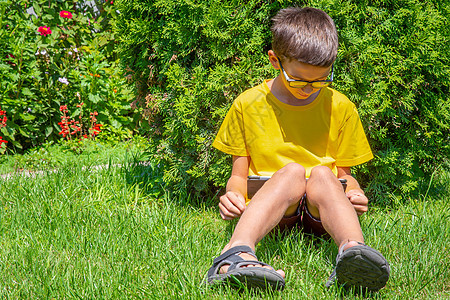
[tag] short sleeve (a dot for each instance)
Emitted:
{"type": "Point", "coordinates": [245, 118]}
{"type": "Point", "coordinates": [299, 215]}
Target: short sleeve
{"type": "Point", "coordinates": [353, 146]}
{"type": "Point", "coordinates": [231, 136]}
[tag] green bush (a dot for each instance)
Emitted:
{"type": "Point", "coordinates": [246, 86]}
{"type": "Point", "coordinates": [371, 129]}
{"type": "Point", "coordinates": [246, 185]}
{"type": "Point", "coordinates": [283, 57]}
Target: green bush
{"type": "Point", "coordinates": [190, 59]}
{"type": "Point", "coordinates": [396, 68]}
{"type": "Point", "coordinates": [57, 53]}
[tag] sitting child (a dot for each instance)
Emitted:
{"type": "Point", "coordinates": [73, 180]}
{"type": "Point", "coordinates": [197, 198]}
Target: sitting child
{"type": "Point", "coordinates": [305, 136]}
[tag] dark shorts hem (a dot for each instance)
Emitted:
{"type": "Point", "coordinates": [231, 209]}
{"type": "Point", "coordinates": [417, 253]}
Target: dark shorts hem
{"type": "Point", "coordinates": [304, 220]}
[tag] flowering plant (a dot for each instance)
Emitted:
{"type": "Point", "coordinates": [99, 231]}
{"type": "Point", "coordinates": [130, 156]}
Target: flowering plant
{"type": "Point", "coordinates": [74, 129]}
{"type": "Point", "coordinates": [3, 120]}
{"type": "Point", "coordinates": [55, 53]}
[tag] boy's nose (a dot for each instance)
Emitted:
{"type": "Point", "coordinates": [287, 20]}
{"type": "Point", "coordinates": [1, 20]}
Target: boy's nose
{"type": "Point", "coordinates": [307, 89]}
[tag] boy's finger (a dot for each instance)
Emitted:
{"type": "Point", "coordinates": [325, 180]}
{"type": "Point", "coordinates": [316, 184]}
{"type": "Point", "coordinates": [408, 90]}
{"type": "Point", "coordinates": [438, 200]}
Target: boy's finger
{"type": "Point", "coordinates": [226, 214]}
{"type": "Point", "coordinates": [241, 203]}
{"type": "Point", "coordinates": [359, 199]}
{"type": "Point", "coordinates": [238, 201]}
{"type": "Point", "coordinates": [360, 209]}
{"type": "Point", "coordinates": [229, 206]}
{"type": "Point", "coordinates": [353, 193]}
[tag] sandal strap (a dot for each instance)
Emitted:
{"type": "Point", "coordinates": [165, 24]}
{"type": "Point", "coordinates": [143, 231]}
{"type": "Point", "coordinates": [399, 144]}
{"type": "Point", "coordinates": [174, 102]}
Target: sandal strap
{"type": "Point", "coordinates": [233, 251]}
{"type": "Point", "coordinates": [231, 257]}
{"type": "Point", "coordinates": [341, 249]}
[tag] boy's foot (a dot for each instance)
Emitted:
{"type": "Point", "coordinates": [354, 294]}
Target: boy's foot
{"type": "Point", "coordinates": [253, 273]}
{"type": "Point", "coordinates": [360, 266]}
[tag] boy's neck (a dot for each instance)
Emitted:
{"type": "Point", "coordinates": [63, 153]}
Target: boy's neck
{"type": "Point", "coordinates": [280, 92]}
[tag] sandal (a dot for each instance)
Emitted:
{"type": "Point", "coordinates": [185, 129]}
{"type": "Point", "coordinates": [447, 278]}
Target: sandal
{"type": "Point", "coordinates": [360, 266]}
{"type": "Point", "coordinates": [251, 276]}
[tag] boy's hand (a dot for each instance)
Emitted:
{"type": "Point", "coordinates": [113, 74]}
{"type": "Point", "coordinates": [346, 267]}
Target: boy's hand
{"type": "Point", "coordinates": [231, 205]}
{"type": "Point", "coordinates": [359, 201]}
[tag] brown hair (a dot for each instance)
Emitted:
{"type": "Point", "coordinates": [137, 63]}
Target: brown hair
{"type": "Point", "coordinates": [305, 34]}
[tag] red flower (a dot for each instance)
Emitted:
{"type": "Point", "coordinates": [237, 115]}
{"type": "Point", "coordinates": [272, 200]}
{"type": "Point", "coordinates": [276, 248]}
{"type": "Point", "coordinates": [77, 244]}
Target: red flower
{"type": "Point", "coordinates": [63, 108]}
{"type": "Point", "coordinates": [2, 141]}
{"type": "Point", "coordinates": [95, 129]}
{"type": "Point", "coordinates": [2, 120]}
{"type": "Point", "coordinates": [65, 14]}
{"type": "Point", "coordinates": [44, 30]}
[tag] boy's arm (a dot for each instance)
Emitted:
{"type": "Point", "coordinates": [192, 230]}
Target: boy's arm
{"type": "Point", "coordinates": [232, 203]}
{"type": "Point", "coordinates": [354, 192]}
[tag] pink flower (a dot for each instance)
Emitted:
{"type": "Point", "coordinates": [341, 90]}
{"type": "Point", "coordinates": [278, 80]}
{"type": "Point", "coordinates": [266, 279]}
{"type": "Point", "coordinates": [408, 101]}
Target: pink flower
{"type": "Point", "coordinates": [44, 30]}
{"type": "Point", "coordinates": [65, 14]}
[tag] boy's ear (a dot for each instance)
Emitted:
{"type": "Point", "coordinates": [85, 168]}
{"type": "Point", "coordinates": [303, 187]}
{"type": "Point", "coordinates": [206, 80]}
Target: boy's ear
{"type": "Point", "coordinates": [273, 59]}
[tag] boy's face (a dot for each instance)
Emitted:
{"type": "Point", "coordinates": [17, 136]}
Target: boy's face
{"type": "Point", "coordinates": [300, 71]}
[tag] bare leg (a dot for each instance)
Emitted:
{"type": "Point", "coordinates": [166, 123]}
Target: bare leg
{"type": "Point", "coordinates": [278, 197]}
{"type": "Point", "coordinates": [357, 265]}
{"type": "Point", "coordinates": [328, 202]}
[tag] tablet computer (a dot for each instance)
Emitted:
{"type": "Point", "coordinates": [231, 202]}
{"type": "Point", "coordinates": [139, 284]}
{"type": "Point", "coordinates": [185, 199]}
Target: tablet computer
{"type": "Point", "coordinates": [255, 182]}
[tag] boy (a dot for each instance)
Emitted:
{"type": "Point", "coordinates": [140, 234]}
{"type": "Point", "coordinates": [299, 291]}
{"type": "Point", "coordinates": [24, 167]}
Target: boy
{"type": "Point", "coordinates": [292, 128]}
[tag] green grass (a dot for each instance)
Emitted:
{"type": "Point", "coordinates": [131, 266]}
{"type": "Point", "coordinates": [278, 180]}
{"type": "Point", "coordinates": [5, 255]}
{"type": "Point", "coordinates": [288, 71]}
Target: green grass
{"type": "Point", "coordinates": [87, 152]}
{"type": "Point", "coordinates": [79, 233]}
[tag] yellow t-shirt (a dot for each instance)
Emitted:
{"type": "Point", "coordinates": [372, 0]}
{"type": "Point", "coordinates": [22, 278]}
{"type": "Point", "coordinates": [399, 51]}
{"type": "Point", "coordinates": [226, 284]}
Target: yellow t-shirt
{"type": "Point", "coordinates": [326, 132]}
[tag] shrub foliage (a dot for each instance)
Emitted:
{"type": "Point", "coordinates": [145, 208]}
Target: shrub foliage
{"type": "Point", "coordinates": [56, 53]}
{"type": "Point", "coordinates": [190, 59]}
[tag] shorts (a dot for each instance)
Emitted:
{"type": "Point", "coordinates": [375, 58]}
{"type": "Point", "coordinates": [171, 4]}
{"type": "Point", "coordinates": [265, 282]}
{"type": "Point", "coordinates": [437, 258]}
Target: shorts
{"type": "Point", "coordinates": [304, 220]}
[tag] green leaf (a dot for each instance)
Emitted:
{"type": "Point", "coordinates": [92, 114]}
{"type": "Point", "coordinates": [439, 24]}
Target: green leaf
{"type": "Point", "coordinates": [22, 132]}
{"type": "Point", "coordinates": [48, 131]}
{"type": "Point", "coordinates": [94, 98]}
{"type": "Point", "coordinates": [37, 9]}
{"type": "Point", "coordinates": [5, 132]}
{"type": "Point", "coordinates": [115, 123]}
{"type": "Point", "coordinates": [26, 91]}
{"type": "Point", "coordinates": [27, 117]}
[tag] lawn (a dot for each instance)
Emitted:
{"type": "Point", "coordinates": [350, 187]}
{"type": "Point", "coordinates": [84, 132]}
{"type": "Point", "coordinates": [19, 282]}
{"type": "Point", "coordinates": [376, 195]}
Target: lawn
{"type": "Point", "coordinates": [80, 232]}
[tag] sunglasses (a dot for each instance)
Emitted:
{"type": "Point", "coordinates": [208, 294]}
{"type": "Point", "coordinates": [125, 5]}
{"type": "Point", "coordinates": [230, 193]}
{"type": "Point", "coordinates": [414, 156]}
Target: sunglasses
{"type": "Point", "coordinates": [317, 84]}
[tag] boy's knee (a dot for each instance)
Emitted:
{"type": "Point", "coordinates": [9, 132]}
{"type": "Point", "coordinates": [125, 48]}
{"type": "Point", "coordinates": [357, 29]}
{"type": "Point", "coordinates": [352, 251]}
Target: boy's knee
{"type": "Point", "coordinates": [321, 183]}
{"type": "Point", "coordinates": [293, 170]}
{"type": "Point", "coordinates": [291, 181]}
{"type": "Point", "coordinates": [321, 172]}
